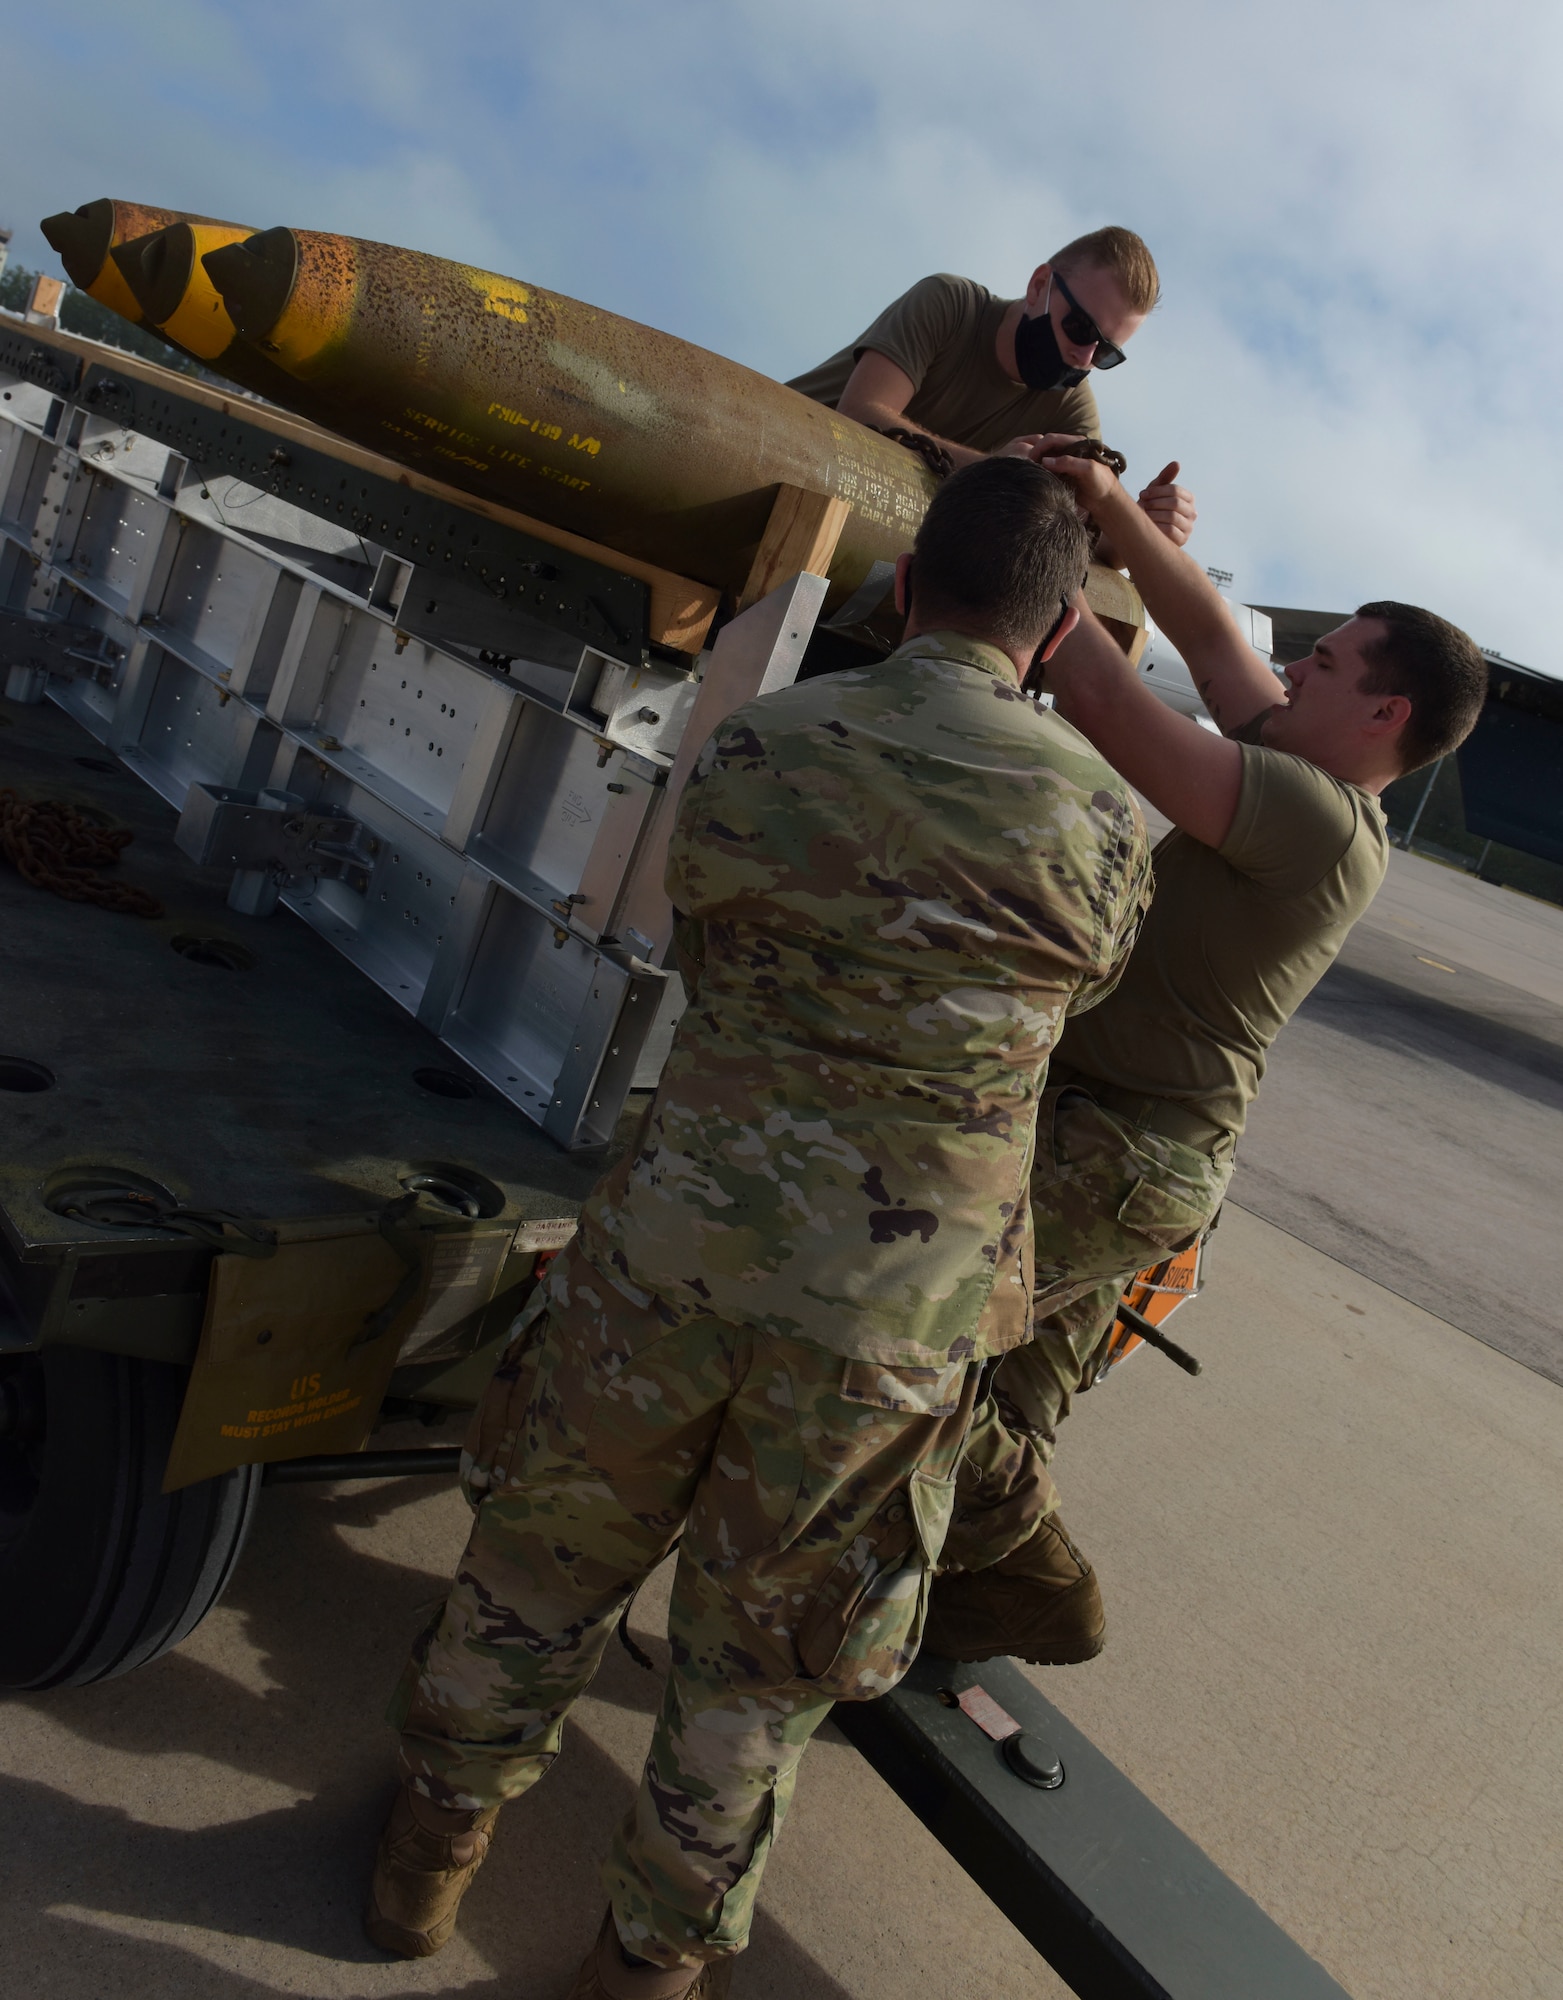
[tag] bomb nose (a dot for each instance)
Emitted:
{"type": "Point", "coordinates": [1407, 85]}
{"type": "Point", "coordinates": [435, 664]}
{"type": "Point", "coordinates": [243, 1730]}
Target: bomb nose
{"type": "Point", "coordinates": [81, 237]}
{"type": "Point", "coordinates": [255, 279]}
{"type": "Point", "coordinates": [158, 268]}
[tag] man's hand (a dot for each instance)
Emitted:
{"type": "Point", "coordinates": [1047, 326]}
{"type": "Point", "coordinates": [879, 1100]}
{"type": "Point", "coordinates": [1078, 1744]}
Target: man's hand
{"type": "Point", "coordinates": [1170, 506]}
{"type": "Point", "coordinates": [1233, 681]}
{"type": "Point", "coordinates": [1092, 480]}
{"type": "Point", "coordinates": [1038, 445]}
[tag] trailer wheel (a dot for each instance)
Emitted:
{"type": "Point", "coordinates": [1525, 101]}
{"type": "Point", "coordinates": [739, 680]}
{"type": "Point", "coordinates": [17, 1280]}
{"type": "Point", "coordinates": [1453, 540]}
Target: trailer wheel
{"type": "Point", "coordinates": [99, 1570]}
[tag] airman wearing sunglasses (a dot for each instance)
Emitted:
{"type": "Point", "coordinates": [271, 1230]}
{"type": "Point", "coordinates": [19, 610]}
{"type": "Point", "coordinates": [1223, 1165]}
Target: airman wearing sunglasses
{"type": "Point", "coordinates": [979, 375]}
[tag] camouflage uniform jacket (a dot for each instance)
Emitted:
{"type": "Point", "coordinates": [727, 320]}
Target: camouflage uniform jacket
{"type": "Point", "coordinates": [894, 882]}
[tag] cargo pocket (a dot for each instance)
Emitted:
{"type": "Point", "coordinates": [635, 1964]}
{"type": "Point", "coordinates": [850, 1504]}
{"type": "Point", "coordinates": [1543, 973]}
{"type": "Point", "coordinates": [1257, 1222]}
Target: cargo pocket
{"type": "Point", "coordinates": [1170, 1218]}
{"type": "Point", "coordinates": [1079, 1137]}
{"type": "Point", "coordinates": [737, 1908]}
{"type": "Point", "coordinates": [863, 1629]}
{"type": "Point", "coordinates": [915, 1392]}
{"type": "Point", "coordinates": [489, 1448]}
{"type": "Point", "coordinates": [1084, 1168]}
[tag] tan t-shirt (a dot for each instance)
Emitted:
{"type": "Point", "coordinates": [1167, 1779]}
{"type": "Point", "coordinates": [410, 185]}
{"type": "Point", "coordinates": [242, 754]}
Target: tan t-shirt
{"type": "Point", "coordinates": [1236, 938]}
{"type": "Point", "coordinates": [942, 333]}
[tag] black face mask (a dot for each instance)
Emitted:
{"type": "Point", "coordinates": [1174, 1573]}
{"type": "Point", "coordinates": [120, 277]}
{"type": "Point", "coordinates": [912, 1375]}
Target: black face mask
{"type": "Point", "coordinates": [1037, 355]}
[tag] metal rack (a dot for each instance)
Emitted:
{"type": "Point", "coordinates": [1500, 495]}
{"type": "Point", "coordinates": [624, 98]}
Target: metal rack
{"type": "Point", "coordinates": [272, 627]}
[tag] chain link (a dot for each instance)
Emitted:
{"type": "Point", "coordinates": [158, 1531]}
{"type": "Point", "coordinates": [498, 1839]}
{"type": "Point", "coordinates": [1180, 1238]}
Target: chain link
{"type": "Point", "coordinates": [941, 464]}
{"type": "Point", "coordinates": [55, 846]}
{"type": "Point", "coordinates": [929, 450]}
{"type": "Point", "coordinates": [1093, 448]}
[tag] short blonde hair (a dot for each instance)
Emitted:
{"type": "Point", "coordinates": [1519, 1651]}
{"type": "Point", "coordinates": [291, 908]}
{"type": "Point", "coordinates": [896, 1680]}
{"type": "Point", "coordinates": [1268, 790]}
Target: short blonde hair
{"type": "Point", "coordinates": [1121, 252]}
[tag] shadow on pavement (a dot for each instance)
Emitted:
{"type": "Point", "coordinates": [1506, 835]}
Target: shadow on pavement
{"type": "Point", "coordinates": [331, 1625]}
{"type": "Point", "coordinates": [1464, 1032]}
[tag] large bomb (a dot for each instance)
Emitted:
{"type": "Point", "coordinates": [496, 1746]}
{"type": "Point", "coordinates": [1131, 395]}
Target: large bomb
{"type": "Point", "coordinates": [522, 396]}
{"type": "Point", "coordinates": [568, 413]}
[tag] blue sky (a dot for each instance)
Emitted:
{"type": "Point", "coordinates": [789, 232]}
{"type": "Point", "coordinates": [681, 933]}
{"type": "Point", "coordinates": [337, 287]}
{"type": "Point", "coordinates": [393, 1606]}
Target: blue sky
{"type": "Point", "coordinates": [1354, 209]}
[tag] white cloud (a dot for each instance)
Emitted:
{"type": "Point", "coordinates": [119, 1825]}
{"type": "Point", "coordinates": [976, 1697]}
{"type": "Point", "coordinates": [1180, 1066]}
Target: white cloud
{"type": "Point", "coordinates": [1356, 359]}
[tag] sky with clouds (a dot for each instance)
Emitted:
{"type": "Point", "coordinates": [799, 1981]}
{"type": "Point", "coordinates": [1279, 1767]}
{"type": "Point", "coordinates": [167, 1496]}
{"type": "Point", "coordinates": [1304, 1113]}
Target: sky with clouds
{"type": "Point", "coordinates": [1353, 207]}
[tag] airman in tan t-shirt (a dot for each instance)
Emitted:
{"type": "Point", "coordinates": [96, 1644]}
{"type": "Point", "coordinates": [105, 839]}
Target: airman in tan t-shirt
{"type": "Point", "coordinates": [958, 373]}
{"type": "Point", "coordinates": [1278, 846]}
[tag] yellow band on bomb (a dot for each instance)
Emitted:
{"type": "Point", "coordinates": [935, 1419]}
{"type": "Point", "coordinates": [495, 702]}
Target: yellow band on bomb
{"type": "Point", "coordinates": [109, 289]}
{"type": "Point", "coordinates": [200, 323]}
{"type": "Point", "coordinates": [319, 310]}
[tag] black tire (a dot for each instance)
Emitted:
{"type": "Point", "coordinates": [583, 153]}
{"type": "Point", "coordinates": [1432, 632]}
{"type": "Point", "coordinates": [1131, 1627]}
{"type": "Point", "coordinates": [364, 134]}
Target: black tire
{"type": "Point", "coordinates": [99, 1570]}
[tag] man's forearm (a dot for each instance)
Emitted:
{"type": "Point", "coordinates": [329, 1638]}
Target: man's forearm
{"type": "Point", "coordinates": [1186, 772]}
{"type": "Point", "coordinates": [1177, 593]}
{"type": "Point", "coordinates": [879, 417]}
{"type": "Point", "coordinates": [1092, 682]}
{"type": "Point", "coordinates": [1233, 682]}
{"type": "Point", "coordinates": [1106, 554]}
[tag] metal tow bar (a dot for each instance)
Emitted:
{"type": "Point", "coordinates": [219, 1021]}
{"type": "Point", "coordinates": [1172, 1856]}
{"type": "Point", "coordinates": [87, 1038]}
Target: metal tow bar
{"type": "Point", "coordinates": [1119, 1902]}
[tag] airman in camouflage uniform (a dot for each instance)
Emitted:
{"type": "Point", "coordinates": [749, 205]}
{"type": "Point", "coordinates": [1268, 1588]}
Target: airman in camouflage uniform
{"type": "Point", "coordinates": [1109, 1195]}
{"type": "Point", "coordinates": [894, 884]}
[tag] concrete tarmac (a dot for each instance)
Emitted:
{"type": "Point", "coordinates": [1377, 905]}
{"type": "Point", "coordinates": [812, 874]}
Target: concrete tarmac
{"type": "Point", "coordinates": [1329, 1562]}
{"type": "Point", "coordinates": [1329, 1565]}
{"type": "Point", "coordinates": [1411, 1121]}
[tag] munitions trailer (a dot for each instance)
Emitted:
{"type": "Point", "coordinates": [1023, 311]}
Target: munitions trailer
{"type": "Point", "coordinates": [286, 1152]}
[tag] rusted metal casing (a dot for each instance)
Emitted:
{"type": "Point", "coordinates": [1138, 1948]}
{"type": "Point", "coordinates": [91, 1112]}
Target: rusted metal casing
{"type": "Point", "coordinates": [607, 428]}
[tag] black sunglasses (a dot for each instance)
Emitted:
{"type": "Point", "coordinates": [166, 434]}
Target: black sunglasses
{"type": "Point", "coordinates": [1079, 327]}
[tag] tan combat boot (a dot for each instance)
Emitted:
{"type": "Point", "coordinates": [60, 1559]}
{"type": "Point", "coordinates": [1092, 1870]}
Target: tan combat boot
{"type": "Point", "coordinates": [1039, 1603]}
{"type": "Point", "coordinates": [605, 1976]}
{"type": "Point", "coordinates": [428, 1856]}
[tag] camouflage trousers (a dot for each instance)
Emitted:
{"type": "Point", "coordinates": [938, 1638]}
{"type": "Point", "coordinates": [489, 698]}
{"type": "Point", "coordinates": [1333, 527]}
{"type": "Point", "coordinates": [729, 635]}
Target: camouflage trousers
{"type": "Point", "coordinates": [1108, 1197]}
{"type": "Point", "coordinates": [812, 1495]}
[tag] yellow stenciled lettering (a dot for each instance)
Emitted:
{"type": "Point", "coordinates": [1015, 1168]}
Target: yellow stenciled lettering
{"type": "Point", "coordinates": [500, 295]}
{"type": "Point", "coordinates": [593, 445]}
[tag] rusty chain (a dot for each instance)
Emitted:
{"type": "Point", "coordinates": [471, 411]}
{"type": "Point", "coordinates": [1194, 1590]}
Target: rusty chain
{"type": "Point", "coordinates": [1093, 448]}
{"type": "Point", "coordinates": [929, 450]}
{"type": "Point", "coordinates": [55, 846]}
{"type": "Point", "coordinates": [941, 464]}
